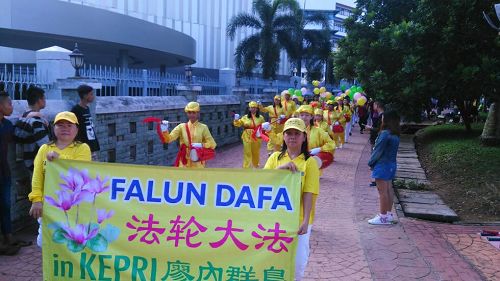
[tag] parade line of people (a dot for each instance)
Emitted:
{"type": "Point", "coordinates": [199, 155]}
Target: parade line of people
{"type": "Point", "coordinates": [300, 136]}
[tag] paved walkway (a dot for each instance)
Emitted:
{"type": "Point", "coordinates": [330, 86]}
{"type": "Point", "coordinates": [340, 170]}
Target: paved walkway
{"type": "Point", "coordinates": [343, 245]}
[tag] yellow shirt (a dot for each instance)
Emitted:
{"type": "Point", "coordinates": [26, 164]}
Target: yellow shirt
{"type": "Point", "coordinates": [75, 151]}
{"type": "Point", "coordinates": [249, 126]}
{"type": "Point", "coordinates": [274, 113]}
{"type": "Point", "coordinates": [199, 134]}
{"type": "Point", "coordinates": [324, 126]}
{"type": "Point", "coordinates": [331, 116]}
{"type": "Point", "coordinates": [316, 137]}
{"type": "Point", "coordinates": [289, 107]}
{"type": "Point", "coordinates": [310, 177]}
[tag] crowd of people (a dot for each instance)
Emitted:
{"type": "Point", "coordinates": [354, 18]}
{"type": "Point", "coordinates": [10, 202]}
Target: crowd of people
{"type": "Point", "coordinates": [301, 136]}
{"type": "Point", "coordinates": [72, 136]}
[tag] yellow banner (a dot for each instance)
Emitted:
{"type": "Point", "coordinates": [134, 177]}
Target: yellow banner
{"type": "Point", "coordinates": [105, 221]}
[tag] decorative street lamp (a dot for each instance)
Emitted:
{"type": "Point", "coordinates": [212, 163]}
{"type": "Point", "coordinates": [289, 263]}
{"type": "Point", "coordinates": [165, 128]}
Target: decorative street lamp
{"type": "Point", "coordinates": [294, 71]}
{"type": "Point", "coordinates": [76, 59]}
{"type": "Point", "coordinates": [188, 71]}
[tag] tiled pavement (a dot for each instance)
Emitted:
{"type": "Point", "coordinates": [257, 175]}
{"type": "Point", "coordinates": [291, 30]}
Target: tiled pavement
{"type": "Point", "coordinates": [343, 245]}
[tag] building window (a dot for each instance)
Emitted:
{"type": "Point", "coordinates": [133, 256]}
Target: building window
{"type": "Point", "coordinates": [112, 155]}
{"type": "Point", "coordinates": [133, 127]}
{"type": "Point", "coordinates": [133, 152]}
{"type": "Point", "coordinates": [111, 130]}
{"type": "Point", "coordinates": [151, 147]}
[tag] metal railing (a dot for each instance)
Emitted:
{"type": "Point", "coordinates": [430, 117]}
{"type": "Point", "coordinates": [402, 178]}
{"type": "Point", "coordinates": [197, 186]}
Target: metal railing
{"type": "Point", "coordinates": [15, 80]}
{"type": "Point", "coordinates": [142, 82]}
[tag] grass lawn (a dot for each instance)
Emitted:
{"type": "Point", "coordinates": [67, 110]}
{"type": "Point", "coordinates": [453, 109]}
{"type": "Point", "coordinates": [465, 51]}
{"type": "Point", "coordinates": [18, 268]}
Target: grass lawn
{"type": "Point", "coordinates": [464, 173]}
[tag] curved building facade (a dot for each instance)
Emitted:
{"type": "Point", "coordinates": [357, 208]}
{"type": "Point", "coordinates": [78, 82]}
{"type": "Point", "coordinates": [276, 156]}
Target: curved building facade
{"type": "Point", "coordinates": [106, 37]}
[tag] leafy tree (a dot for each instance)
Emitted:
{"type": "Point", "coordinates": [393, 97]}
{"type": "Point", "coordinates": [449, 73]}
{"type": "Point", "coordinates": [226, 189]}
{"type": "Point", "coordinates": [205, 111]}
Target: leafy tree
{"type": "Point", "coordinates": [271, 22]}
{"type": "Point", "coordinates": [310, 45]}
{"type": "Point", "coordinates": [405, 52]}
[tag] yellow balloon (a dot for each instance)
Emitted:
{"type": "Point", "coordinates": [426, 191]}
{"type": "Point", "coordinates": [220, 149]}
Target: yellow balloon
{"type": "Point", "coordinates": [316, 91]}
{"type": "Point", "coordinates": [315, 83]}
{"type": "Point", "coordinates": [322, 89]}
{"type": "Point", "coordinates": [361, 101]}
{"type": "Point", "coordinates": [328, 95]}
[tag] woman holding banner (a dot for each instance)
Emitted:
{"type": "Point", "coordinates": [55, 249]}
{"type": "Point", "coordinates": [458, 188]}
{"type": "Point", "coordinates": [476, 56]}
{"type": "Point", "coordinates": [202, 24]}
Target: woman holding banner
{"type": "Point", "coordinates": [294, 156]}
{"type": "Point", "coordinates": [64, 147]}
{"type": "Point", "coordinates": [253, 124]}
{"type": "Point", "coordinates": [196, 143]}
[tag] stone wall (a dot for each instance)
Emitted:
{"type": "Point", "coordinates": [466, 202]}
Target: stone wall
{"type": "Point", "coordinates": [124, 138]}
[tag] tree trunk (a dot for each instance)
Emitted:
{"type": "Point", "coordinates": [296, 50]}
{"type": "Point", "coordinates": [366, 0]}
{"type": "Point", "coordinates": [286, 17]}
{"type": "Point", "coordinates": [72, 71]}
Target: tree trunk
{"type": "Point", "coordinates": [464, 107]}
{"type": "Point", "coordinates": [491, 130]}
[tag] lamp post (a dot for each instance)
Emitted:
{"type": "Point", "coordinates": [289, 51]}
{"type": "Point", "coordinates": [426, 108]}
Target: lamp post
{"type": "Point", "coordinates": [188, 71]}
{"type": "Point", "coordinates": [76, 59]}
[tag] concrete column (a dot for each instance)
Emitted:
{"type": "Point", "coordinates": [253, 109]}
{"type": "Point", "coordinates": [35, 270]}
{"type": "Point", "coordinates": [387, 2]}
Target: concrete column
{"type": "Point", "coordinates": [52, 64]}
{"type": "Point", "coordinates": [227, 77]}
{"type": "Point", "coordinates": [241, 93]}
{"type": "Point", "coordinates": [191, 92]}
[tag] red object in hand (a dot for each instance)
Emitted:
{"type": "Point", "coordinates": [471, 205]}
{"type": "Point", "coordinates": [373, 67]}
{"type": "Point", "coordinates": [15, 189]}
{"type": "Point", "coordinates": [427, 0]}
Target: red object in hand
{"type": "Point", "coordinates": [347, 117]}
{"type": "Point", "coordinates": [204, 154]}
{"type": "Point", "coordinates": [338, 129]}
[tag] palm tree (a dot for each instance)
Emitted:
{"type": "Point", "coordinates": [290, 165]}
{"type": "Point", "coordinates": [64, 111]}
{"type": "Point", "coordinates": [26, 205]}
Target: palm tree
{"type": "Point", "coordinates": [311, 45]}
{"type": "Point", "coordinates": [271, 21]}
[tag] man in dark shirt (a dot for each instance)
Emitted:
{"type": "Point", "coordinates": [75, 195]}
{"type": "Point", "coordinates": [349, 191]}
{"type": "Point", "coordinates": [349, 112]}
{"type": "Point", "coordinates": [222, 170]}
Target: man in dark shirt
{"type": "Point", "coordinates": [86, 130]}
{"type": "Point", "coordinates": [6, 135]}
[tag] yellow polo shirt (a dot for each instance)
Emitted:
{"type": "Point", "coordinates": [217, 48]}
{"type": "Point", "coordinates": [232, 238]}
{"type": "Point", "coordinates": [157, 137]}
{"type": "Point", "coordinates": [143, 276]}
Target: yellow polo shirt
{"type": "Point", "coordinates": [310, 177]}
{"type": "Point", "coordinates": [74, 151]}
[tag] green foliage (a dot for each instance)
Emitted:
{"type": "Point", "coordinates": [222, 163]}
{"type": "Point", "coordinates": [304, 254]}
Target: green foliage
{"type": "Point", "coordinates": [469, 168]}
{"type": "Point", "coordinates": [271, 21]}
{"type": "Point", "coordinates": [405, 52]}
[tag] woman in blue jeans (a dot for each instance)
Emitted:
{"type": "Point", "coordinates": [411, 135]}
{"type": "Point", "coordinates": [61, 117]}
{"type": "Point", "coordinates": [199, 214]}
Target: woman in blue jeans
{"type": "Point", "coordinates": [383, 165]}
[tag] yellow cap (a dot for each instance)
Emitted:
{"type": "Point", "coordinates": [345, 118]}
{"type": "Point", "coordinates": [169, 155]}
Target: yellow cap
{"type": "Point", "coordinates": [318, 111]}
{"type": "Point", "coordinates": [295, 123]}
{"type": "Point", "coordinates": [66, 115]}
{"type": "Point", "coordinates": [277, 97]}
{"type": "Point", "coordinates": [192, 106]}
{"type": "Point", "coordinates": [329, 102]}
{"type": "Point", "coordinates": [253, 104]}
{"type": "Point", "coordinates": [305, 108]}
{"type": "Point", "coordinates": [338, 98]}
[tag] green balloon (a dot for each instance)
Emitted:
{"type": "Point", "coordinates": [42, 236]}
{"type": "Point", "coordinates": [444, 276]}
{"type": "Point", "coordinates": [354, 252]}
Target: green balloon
{"type": "Point", "coordinates": [291, 90]}
{"type": "Point", "coordinates": [298, 93]}
{"type": "Point", "coordinates": [342, 88]}
{"type": "Point", "coordinates": [351, 95]}
{"type": "Point", "coordinates": [360, 90]}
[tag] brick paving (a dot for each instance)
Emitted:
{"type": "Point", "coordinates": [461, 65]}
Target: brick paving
{"type": "Point", "coordinates": [343, 245]}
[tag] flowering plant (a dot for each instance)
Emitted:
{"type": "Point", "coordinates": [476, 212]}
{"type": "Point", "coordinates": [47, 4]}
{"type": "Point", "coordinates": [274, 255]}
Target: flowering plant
{"type": "Point", "coordinates": [78, 187]}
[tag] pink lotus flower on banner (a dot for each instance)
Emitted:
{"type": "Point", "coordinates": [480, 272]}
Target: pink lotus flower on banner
{"type": "Point", "coordinates": [98, 185]}
{"type": "Point", "coordinates": [102, 215]}
{"type": "Point", "coordinates": [67, 200]}
{"type": "Point", "coordinates": [79, 234]}
{"type": "Point", "coordinates": [75, 180]}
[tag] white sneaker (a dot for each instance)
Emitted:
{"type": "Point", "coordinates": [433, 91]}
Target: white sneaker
{"type": "Point", "coordinates": [381, 219]}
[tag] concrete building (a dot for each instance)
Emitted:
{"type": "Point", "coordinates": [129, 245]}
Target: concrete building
{"type": "Point", "coordinates": [110, 25]}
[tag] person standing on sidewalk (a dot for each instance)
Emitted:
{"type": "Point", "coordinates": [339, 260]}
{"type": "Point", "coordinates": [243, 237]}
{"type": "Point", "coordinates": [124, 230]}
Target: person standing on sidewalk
{"type": "Point", "coordinates": [294, 156]}
{"type": "Point", "coordinates": [86, 129]}
{"type": "Point", "coordinates": [6, 136]}
{"type": "Point", "coordinates": [32, 129]}
{"type": "Point", "coordinates": [276, 115]}
{"type": "Point", "coordinates": [252, 124]}
{"type": "Point", "coordinates": [65, 146]}
{"type": "Point", "coordinates": [193, 137]}
{"type": "Point", "coordinates": [383, 165]}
